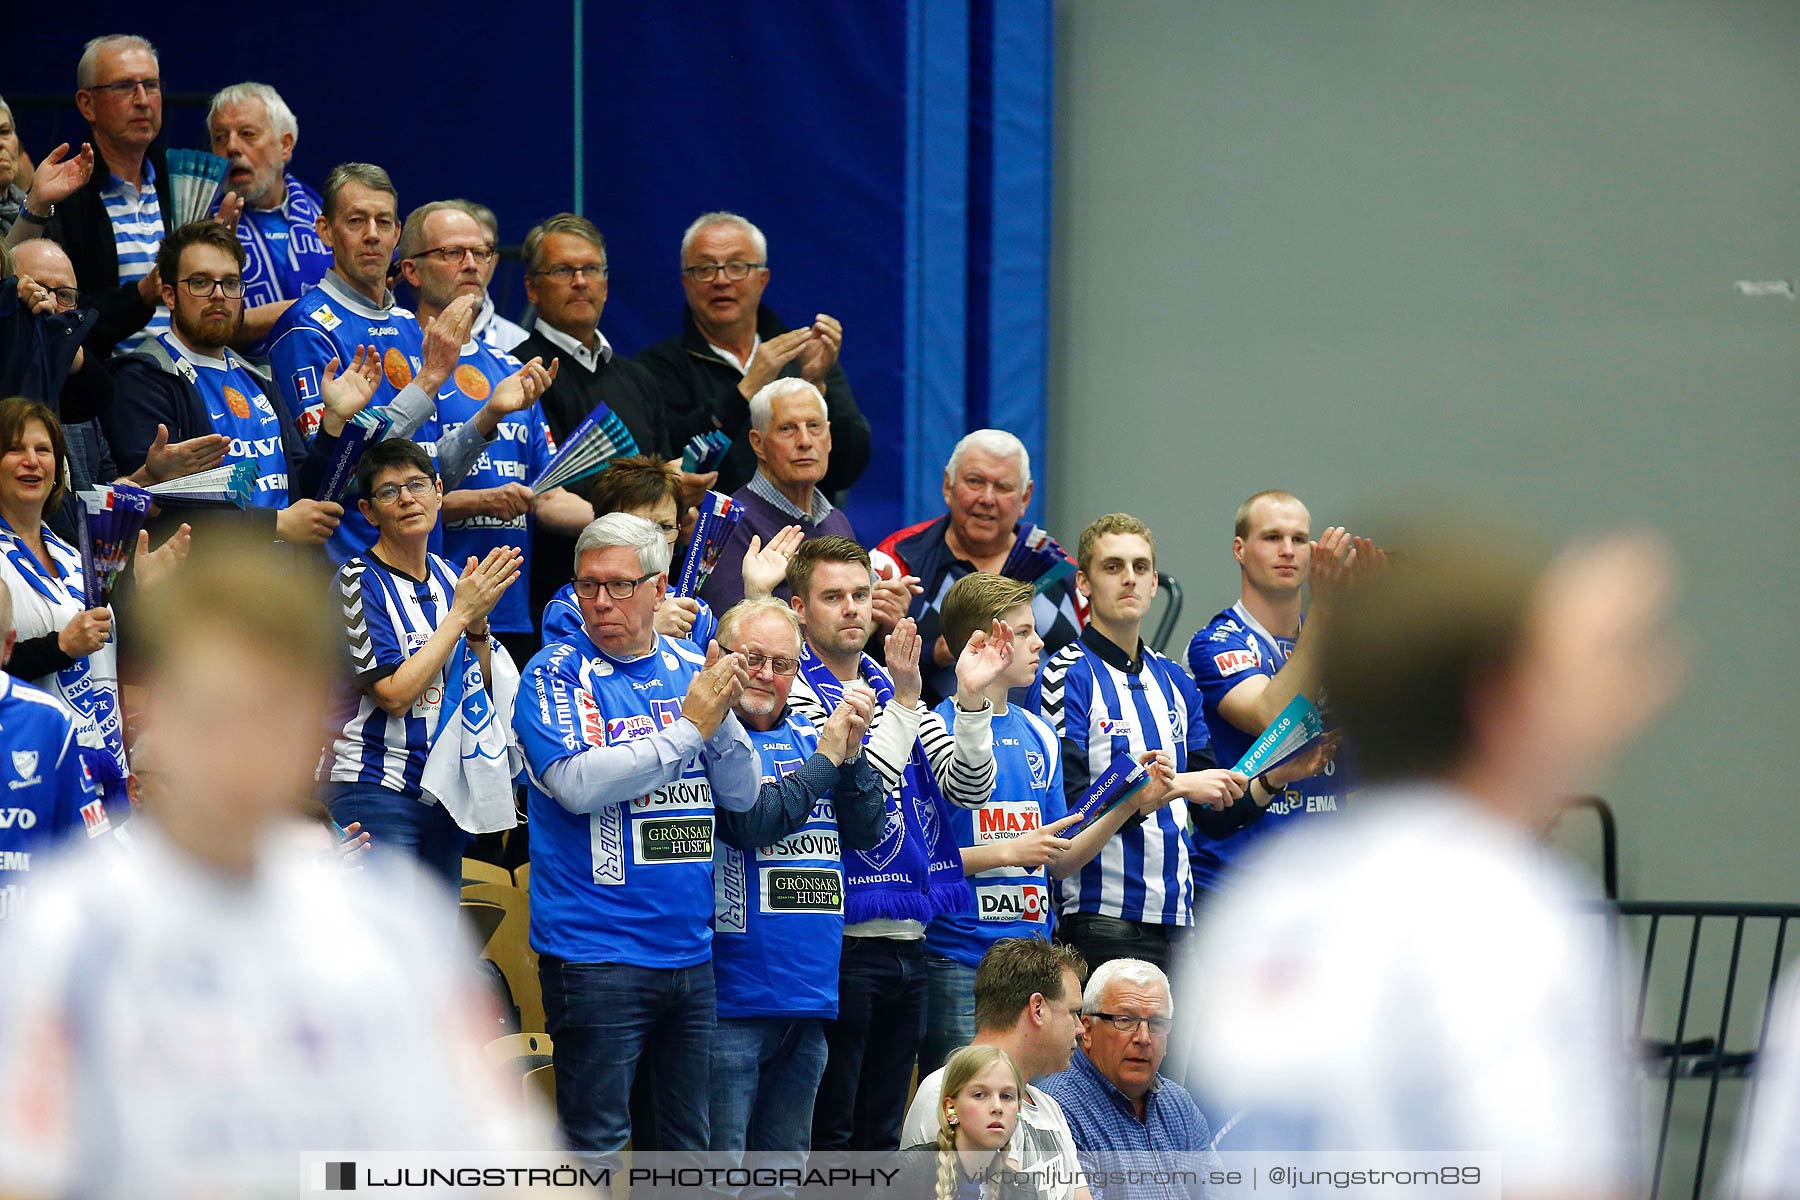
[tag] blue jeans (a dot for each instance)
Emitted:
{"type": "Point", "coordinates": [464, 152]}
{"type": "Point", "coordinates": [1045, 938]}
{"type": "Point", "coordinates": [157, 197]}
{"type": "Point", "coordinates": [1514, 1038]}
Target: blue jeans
{"type": "Point", "coordinates": [765, 1074]}
{"type": "Point", "coordinates": [606, 1018]}
{"type": "Point", "coordinates": [950, 1011]}
{"type": "Point", "coordinates": [873, 1044]}
{"type": "Point", "coordinates": [400, 824]}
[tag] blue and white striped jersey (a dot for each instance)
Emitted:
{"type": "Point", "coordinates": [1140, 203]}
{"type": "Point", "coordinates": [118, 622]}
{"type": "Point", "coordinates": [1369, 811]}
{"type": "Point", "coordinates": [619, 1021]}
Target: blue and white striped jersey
{"type": "Point", "coordinates": [1099, 703]}
{"type": "Point", "coordinates": [137, 224]}
{"type": "Point", "coordinates": [387, 616]}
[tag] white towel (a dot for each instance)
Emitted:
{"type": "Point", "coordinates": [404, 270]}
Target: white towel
{"type": "Point", "coordinates": [469, 770]}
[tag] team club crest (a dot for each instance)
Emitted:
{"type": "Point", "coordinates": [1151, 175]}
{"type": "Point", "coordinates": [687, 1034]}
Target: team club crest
{"type": "Point", "coordinates": [25, 763]}
{"type": "Point", "coordinates": [394, 365]}
{"type": "Point", "coordinates": [1040, 770]}
{"type": "Point", "coordinates": [472, 383]}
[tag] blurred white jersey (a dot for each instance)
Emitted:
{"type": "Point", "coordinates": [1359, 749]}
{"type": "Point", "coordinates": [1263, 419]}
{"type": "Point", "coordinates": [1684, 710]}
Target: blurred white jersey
{"type": "Point", "coordinates": [1769, 1147]}
{"type": "Point", "coordinates": [165, 1030]}
{"type": "Point", "coordinates": [1419, 975]}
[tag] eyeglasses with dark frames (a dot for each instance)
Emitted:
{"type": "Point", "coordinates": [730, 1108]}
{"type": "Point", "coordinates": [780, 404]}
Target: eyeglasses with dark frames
{"type": "Point", "coordinates": [618, 589]}
{"type": "Point", "coordinates": [734, 270]}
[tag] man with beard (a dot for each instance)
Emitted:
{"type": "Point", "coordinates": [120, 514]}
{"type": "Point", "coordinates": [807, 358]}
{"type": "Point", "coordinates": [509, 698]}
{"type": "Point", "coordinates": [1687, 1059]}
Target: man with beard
{"type": "Point", "coordinates": [253, 128]}
{"type": "Point", "coordinates": [188, 381]}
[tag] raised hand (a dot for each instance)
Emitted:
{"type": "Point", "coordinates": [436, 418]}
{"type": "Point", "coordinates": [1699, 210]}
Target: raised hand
{"type": "Point", "coordinates": [675, 616]}
{"type": "Point", "coordinates": [770, 357]}
{"type": "Point", "coordinates": [308, 522]}
{"type": "Point", "coordinates": [861, 699]}
{"type": "Point", "coordinates": [163, 461]}
{"type": "Point", "coordinates": [983, 662]}
{"type": "Point", "coordinates": [821, 350]}
{"type": "Point", "coordinates": [60, 176]}
{"type": "Point", "coordinates": [482, 584]}
{"type": "Point", "coordinates": [1043, 846]}
{"type": "Point", "coordinates": [149, 288]}
{"type": "Point", "coordinates": [154, 566]}
{"type": "Point", "coordinates": [230, 209]}
{"type": "Point", "coordinates": [348, 394]}
{"type": "Point", "coordinates": [902, 652]}
{"type": "Point", "coordinates": [35, 296]}
{"type": "Point", "coordinates": [520, 390]}
{"type": "Point", "coordinates": [890, 598]}
{"type": "Point", "coordinates": [444, 340]}
{"type": "Point", "coordinates": [766, 566]}
{"type": "Point", "coordinates": [714, 690]}
{"type": "Point", "coordinates": [836, 735]}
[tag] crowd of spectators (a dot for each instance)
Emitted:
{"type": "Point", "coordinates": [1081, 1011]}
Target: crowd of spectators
{"type": "Point", "coordinates": [816, 830]}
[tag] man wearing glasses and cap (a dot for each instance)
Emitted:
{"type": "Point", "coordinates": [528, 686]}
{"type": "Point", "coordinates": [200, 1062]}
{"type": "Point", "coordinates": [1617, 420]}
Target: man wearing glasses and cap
{"type": "Point", "coordinates": [731, 346]}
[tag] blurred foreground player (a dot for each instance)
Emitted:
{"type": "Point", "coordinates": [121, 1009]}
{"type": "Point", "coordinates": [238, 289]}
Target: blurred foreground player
{"type": "Point", "coordinates": [194, 1017]}
{"type": "Point", "coordinates": [1420, 974]}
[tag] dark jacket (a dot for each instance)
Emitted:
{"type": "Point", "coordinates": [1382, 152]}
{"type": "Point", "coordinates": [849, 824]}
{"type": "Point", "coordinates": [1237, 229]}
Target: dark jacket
{"type": "Point", "coordinates": [622, 385]}
{"type": "Point", "coordinates": [148, 391]}
{"type": "Point", "coordinates": [85, 232]}
{"type": "Point", "coordinates": [700, 391]}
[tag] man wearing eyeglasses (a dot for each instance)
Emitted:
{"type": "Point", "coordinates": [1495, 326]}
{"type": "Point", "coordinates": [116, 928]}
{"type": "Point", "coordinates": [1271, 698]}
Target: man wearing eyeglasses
{"type": "Point", "coordinates": [443, 253]}
{"type": "Point", "coordinates": [565, 279]}
{"type": "Point", "coordinates": [253, 128]}
{"type": "Point", "coordinates": [351, 308]}
{"type": "Point", "coordinates": [731, 346]}
{"type": "Point", "coordinates": [112, 226]}
{"type": "Point", "coordinates": [778, 890]}
{"type": "Point", "coordinates": [1114, 1094]}
{"type": "Point", "coordinates": [406, 616]}
{"type": "Point", "coordinates": [630, 742]}
{"type": "Point", "coordinates": [187, 383]}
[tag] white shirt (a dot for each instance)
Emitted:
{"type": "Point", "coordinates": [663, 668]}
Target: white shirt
{"type": "Point", "coordinates": [742, 364]}
{"type": "Point", "coordinates": [1769, 1142]}
{"type": "Point", "coordinates": [495, 330]}
{"type": "Point", "coordinates": [171, 1031]}
{"type": "Point", "coordinates": [1041, 1141]}
{"type": "Point", "coordinates": [1420, 975]}
{"type": "Point", "coordinates": [584, 357]}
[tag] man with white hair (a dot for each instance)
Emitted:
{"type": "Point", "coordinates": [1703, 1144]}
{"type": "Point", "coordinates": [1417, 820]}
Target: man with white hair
{"type": "Point", "coordinates": [630, 742]}
{"type": "Point", "coordinates": [731, 346]}
{"type": "Point", "coordinates": [987, 485]}
{"type": "Point", "coordinates": [1114, 1094]}
{"type": "Point", "coordinates": [254, 129]}
{"type": "Point", "coordinates": [791, 436]}
{"type": "Point", "coordinates": [778, 884]}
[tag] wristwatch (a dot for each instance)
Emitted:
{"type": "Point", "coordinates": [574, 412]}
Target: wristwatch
{"type": "Point", "coordinates": [25, 214]}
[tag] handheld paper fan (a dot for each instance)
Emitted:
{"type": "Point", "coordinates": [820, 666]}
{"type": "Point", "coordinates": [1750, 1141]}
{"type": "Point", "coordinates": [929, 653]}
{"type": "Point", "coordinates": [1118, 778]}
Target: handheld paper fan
{"type": "Point", "coordinates": [1036, 558]}
{"type": "Point", "coordinates": [719, 517]}
{"type": "Point", "coordinates": [195, 180]}
{"type": "Point", "coordinates": [360, 432]}
{"type": "Point", "coordinates": [705, 451]}
{"type": "Point", "coordinates": [589, 447]}
{"type": "Point", "coordinates": [229, 484]}
{"type": "Point", "coordinates": [1288, 734]}
{"type": "Point", "coordinates": [112, 514]}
